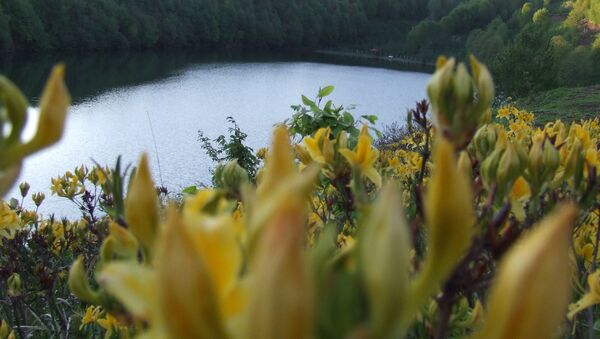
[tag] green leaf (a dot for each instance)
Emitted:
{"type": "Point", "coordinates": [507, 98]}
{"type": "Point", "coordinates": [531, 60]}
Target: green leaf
{"type": "Point", "coordinates": [307, 101]}
{"type": "Point", "coordinates": [325, 91]}
{"type": "Point", "coordinates": [190, 190]}
{"type": "Point", "coordinates": [370, 118]}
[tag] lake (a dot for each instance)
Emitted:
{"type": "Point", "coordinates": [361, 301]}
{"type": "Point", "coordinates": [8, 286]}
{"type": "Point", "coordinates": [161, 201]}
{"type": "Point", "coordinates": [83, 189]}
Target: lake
{"type": "Point", "coordinates": [126, 103]}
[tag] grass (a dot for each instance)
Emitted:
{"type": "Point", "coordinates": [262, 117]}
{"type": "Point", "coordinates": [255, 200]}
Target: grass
{"type": "Point", "coordinates": [567, 104]}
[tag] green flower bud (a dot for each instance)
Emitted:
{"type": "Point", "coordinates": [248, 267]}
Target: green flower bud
{"type": "Point", "coordinates": [484, 83]}
{"type": "Point", "coordinates": [536, 160]}
{"type": "Point", "coordinates": [484, 141]}
{"type": "Point", "coordinates": [38, 198]}
{"type": "Point", "coordinates": [457, 111]}
{"type": "Point", "coordinates": [385, 262]}
{"type": "Point", "coordinates": [489, 167]}
{"type": "Point", "coordinates": [233, 176]}
{"type": "Point", "coordinates": [13, 203]}
{"type": "Point", "coordinates": [14, 285]}
{"type": "Point", "coordinates": [509, 167]}
{"type": "Point", "coordinates": [24, 188]}
{"type": "Point", "coordinates": [551, 160]}
{"type": "Point", "coordinates": [465, 165]}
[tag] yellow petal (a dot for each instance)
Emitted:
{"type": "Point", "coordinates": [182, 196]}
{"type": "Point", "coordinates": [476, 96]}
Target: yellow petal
{"type": "Point", "coordinates": [350, 156]}
{"type": "Point", "coordinates": [216, 241]}
{"type": "Point", "coordinates": [132, 284]}
{"type": "Point", "coordinates": [449, 211]}
{"type": "Point", "coordinates": [53, 110]}
{"type": "Point", "coordinates": [141, 207]}
{"type": "Point", "coordinates": [187, 298]}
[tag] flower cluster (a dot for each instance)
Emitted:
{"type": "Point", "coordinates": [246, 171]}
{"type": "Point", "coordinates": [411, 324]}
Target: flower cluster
{"type": "Point", "coordinates": [456, 230]}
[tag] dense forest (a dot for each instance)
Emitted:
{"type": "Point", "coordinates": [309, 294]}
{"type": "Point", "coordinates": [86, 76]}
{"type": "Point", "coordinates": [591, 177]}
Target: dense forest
{"type": "Point", "coordinates": [530, 45]}
{"type": "Point", "coordinates": [111, 24]}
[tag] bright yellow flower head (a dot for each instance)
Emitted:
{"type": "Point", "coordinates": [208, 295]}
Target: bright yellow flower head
{"type": "Point", "coordinates": [364, 156]}
{"type": "Point", "coordinates": [320, 147]}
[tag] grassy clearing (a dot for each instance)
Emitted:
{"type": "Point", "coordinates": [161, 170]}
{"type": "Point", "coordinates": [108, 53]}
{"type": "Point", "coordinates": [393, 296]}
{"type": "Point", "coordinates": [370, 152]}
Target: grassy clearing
{"type": "Point", "coordinates": [567, 104]}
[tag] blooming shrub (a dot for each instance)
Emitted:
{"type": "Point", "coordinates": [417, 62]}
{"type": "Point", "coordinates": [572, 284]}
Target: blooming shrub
{"type": "Point", "coordinates": [476, 223]}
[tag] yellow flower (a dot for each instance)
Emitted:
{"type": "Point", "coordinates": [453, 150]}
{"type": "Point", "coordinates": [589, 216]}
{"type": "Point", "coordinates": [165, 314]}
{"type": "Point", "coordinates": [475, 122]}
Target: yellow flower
{"type": "Point", "coordinates": [90, 316]}
{"type": "Point", "coordinates": [319, 147]}
{"type": "Point", "coordinates": [591, 298]}
{"type": "Point", "coordinates": [109, 323]}
{"type": "Point", "coordinates": [503, 112]}
{"type": "Point", "coordinates": [518, 305]}
{"type": "Point", "coordinates": [10, 222]}
{"type": "Point", "coordinates": [364, 156]}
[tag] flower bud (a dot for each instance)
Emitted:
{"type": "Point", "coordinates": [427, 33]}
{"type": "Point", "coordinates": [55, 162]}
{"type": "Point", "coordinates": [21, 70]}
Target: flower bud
{"type": "Point", "coordinates": [342, 140]}
{"type": "Point", "coordinates": [536, 155]}
{"type": "Point", "coordinates": [14, 285]}
{"type": "Point", "coordinates": [463, 88]}
{"type": "Point", "coordinates": [518, 305]}
{"type": "Point", "coordinates": [484, 83]}
{"type": "Point", "coordinates": [448, 211]}
{"type": "Point", "coordinates": [385, 259]}
{"type": "Point", "coordinates": [38, 198]}
{"type": "Point", "coordinates": [551, 159]}
{"type": "Point", "coordinates": [449, 220]}
{"type": "Point", "coordinates": [464, 164]}
{"type": "Point", "coordinates": [509, 167]}
{"type": "Point", "coordinates": [141, 207]}
{"type": "Point", "coordinates": [81, 172]}
{"type": "Point", "coordinates": [457, 112]}
{"type": "Point", "coordinates": [302, 154]}
{"type": "Point", "coordinates": [484, 141]}
{"type": "Point", "coordinates": [3, 329]}
{"type": "Point", "coordinates": [79, 284]}
{"type": "Point", "coordinates": [24, 188]}
{"type": "Point", "coordinates": [233, 176]}
{"type": "Point", "coordinates": [282, 301]}
{"type": "Point", "coordinates": [489, 167]}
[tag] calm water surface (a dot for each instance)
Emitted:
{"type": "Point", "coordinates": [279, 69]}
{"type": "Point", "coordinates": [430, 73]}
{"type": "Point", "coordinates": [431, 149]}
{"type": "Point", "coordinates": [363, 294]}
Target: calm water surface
{"type": "Point", "coordinates": [117, 105]}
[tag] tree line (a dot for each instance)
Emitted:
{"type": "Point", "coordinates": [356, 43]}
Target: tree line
{"type": "Point", "coordinates": [530, 45]}
{"type": "Point", "coordinates": [39, 25]}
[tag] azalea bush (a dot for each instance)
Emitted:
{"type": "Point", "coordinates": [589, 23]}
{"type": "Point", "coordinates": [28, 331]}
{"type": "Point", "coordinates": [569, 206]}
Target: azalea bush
{"type": "Point", "coordinates": [473, 222]}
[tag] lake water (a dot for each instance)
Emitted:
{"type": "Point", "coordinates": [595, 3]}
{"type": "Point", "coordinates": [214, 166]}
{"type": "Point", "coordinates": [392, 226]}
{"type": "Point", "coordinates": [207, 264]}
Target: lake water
{"type": "Point", "coordinates": [120, 99]}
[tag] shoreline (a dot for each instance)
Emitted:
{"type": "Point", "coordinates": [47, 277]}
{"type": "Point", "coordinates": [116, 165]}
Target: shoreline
{"type": "Point", "coordinates": [399, 59]}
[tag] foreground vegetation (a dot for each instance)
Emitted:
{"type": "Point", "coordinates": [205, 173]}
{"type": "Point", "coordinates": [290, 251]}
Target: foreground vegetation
{"type": "Point", "coordinates": [469, 222]}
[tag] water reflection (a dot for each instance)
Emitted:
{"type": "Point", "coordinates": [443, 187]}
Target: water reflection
{"type": "Point", "coordinates": [91, 74]}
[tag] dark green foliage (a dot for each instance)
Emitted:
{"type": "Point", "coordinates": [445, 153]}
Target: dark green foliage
{"type": "Point", "coordinates": [118, 24]}
{"type": "Point", "coordinates": [311, 115]}
{"type": "Point", "coordinates": [231, 148]}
